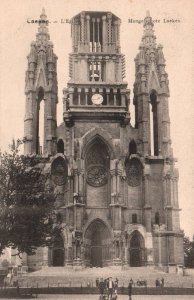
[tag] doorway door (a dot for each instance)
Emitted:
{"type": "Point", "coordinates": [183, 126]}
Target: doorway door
{"type": "Point", "coordinates": [135, 257]}
{"type": "Point", "coordinates": [58, 257]}
{"type": "Point", "coordinates": [96, 256]}
{"type": "Point", "coordinates": [136, 250]}
{"type": "Point", "coordinates": [97, 235]}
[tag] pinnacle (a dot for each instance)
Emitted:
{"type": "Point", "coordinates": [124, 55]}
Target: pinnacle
{"type": "Point", "coordinates": [148, 38]}
{"type": "Point", "coordinates": [43, 35]}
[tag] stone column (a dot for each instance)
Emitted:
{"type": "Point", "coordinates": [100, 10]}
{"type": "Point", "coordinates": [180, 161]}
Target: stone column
{"type": "Point", "coordinates": [92, 70]}
{"type": "Point", "coordinates": [109, 30]}
{"type": "Point", "coordinates": [82, 27]}
{"type": "Point", "coordinates": [159, 250]}
{"type": "Point", "coordinates": [165, 127]}
{"type": "Point", "coordinates": [145, 126]}
{"type": "Point", "coordinates": [79, 96]}
{"type": "Point", "coordinates": [50, 124]}
{"type": "Point", "coordinates": [126, 250]}
{"type": "Point", "coordinates": [104, 33]}
{"type": "Point", "coordinates": [108, 95]}
{"type": "Point", "coordinates": [86, 93]}
{"type": "Point", "coordinates": [118, 35]}
{"type": "Point", "coordinates": [123, 99]}
{"type": "Point", "coordinates": [115, 96]}
{"type": "Point", "coordinates": [98, 37]}
{"type": "Point", "coordinates": [147, 206]}
{"type": "Point", "coordinates": [71, 91]}
{"type": "Point", "coordinates": [88, 31]}
{"type": "Point", "coordinates": [65, 100]}
{"type": "Point", "coordinates": [93, 33]}
{"type": "Point", "coordinates": [29, 148]}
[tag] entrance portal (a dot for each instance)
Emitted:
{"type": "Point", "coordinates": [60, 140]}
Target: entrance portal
{"type": "Point", "coordinates": [58, 252]}
{"type": "Point", "coordinates": [136, 250]}
{"type": "Point", "coordinates": [98, 237]}
{"type": "Point", "coordinates": [58, 257]}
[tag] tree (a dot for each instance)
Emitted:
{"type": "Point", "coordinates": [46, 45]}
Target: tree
{"type": "Point", "coordinates": [26, 202]}
{"type": "Point", "coordinates": [188, 253]}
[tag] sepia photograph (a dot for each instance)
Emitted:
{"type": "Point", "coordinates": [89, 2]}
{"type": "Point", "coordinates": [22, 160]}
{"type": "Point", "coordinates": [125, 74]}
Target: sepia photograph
{"type": "Point", "coordinates": [96, 149]}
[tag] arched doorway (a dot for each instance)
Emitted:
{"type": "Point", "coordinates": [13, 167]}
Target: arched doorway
{"type": "Point", "coordinates": [96, 249]}
{"type": "Point", "coordinates": [136, 250]}
{"type": "Point", "coordinates": [97, 239]}
{"type": "Point", "coordinates": [58, 252]}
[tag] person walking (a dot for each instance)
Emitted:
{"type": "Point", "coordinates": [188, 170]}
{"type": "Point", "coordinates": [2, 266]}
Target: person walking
{"type": "Point", "coordinates": [130, 290]}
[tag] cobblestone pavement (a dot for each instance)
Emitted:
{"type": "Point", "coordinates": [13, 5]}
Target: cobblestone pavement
{"type": "Point", "coordinates": [120, 297]}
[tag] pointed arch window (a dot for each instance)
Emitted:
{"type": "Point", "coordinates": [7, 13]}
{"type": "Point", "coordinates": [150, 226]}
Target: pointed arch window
{"type": "Point", "coordinates": [132, 147]}
{"type": "Point", "coordinates": [134, 218]}
{"type": "Point", "coordinates": [154, 123]}
{"type": "Point", "coordinates": [157, 218]}
{"type": "Point", "coordinates": [60, 146]}
{"type": "Point", "coordinates": [40, 121]}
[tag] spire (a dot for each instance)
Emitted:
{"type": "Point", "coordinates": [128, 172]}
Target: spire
{"type": "Point", "coordinates": [43, 37]}
{"type": "Point", "coordinates": [150, 61]}
{"type": "Point", "coordinates": [148, 38]}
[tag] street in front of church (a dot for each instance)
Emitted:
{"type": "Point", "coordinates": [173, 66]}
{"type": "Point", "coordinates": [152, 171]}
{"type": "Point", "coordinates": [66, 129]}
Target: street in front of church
{"type": "Point", "coordinates": [120, 297]}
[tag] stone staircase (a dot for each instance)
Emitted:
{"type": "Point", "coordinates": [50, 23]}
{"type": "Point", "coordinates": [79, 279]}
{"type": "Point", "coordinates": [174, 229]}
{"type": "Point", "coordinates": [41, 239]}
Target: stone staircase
{"type": "Point", "coordinates": [65, 277]}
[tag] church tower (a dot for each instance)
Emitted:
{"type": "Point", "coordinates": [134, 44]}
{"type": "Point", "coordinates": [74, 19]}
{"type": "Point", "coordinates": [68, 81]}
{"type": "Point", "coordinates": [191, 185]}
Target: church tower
{"type": "Point", "coordinates": [115, 184]}
{"type": "Point", "coordinates": [41, 87]}
{"type": "Point", "coordinates": [96, 69]}
{"type": "Point", "coordinates": [151, 94]}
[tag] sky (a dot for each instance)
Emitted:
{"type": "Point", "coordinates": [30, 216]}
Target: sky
{"type": "Point", "coordinates": [177, 38]}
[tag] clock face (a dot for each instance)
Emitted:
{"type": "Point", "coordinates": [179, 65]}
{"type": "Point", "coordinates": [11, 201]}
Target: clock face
{"type": "Point", "coordinates": [97, 99]}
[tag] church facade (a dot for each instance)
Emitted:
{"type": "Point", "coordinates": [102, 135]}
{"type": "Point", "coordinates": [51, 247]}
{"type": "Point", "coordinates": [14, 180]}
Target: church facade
{"type": "Point", "coordinates": [115, 184]}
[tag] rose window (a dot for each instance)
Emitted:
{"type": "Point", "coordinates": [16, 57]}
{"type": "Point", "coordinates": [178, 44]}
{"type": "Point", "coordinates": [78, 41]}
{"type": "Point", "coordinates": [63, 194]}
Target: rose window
{"type": "Point", "coordinates": [97, 176]}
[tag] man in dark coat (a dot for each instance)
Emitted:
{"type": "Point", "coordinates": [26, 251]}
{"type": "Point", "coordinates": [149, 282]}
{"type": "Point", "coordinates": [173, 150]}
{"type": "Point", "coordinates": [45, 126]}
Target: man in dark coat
{"type": "Point", "coordinates": [130, 290]}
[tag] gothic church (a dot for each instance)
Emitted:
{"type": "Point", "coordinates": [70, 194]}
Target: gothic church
{"type": "Point", "coordinates": [116, 185]}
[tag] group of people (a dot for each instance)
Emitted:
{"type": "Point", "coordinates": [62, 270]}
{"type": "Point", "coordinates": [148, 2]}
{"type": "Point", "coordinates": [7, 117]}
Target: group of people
{"type": "Point", "coordinates": [108, 288]}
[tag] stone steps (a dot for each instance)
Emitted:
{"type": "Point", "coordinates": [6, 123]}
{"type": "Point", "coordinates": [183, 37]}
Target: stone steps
{"type": "Point", "coordinates": [60, 276]}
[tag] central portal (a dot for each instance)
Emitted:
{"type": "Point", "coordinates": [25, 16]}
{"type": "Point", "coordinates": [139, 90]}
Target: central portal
{"type": "Point", "coordinates": [96, 249]}
{"type": "Point", "coordinates": [98, 238]}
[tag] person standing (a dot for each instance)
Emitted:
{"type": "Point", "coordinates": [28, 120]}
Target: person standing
{"type": "Point", "coordinates": [162, 282]}
{"type": "Point", "coordinates": [116, 286]}
{"type": "Point", "coordinates": [130, 290]}
{"type": "Point", "coordinates": [110, 287]}
{"type": "Point", "coordinates": [101, 286]}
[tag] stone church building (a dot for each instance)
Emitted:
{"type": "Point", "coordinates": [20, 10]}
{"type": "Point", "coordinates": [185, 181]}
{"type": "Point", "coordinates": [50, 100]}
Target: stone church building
{"type": "Point", "coordinates": [115, 184]}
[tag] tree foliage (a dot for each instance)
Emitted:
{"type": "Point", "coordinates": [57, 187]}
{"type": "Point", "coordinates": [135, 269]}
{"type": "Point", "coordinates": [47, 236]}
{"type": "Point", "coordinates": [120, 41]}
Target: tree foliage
{"type": "Point", "coordinates": [188, 252]}
{"type": "Point", "coordinates": [26, 202]}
